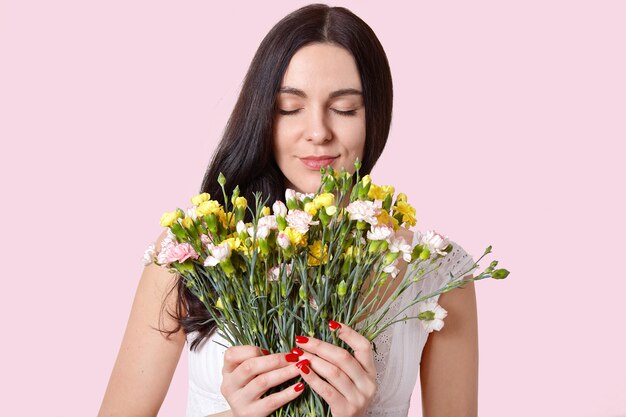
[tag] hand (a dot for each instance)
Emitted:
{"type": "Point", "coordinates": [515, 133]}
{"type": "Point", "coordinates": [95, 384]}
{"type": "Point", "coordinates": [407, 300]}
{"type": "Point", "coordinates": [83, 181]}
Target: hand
{"type": "Point", "coordinates": [248, 373]}
{"type": "Point", "coordinates": [350, 382]}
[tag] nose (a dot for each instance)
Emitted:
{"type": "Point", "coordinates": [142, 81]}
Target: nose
{"type": "Point", "coordinates": [318, 130]}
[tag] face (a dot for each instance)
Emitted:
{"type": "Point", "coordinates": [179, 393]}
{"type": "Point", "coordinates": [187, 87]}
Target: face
{"type": "Point", "coordinates": [319, 118]}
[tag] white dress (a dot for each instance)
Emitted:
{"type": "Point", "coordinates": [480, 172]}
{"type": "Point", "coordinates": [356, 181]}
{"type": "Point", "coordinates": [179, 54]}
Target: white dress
{"type": "Point", "coordinates": [399, 352]}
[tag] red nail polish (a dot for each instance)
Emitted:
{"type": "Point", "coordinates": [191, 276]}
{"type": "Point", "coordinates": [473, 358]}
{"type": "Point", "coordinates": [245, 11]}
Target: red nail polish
{"type": "Point", "coordinates": [265, 351]}
{"type": "Point", "coordinates": [333, 325]}
{"type": "Point", "coordinates": [299, 387]}
{"type": "Point", "coordinates": [291, 357]}
{"type": "Point", "coordinates": [303, 362]}
{"type": "Point", "coordinates": [305, 369]}
{"type": "Point", "coordinates": [297, 351]}
{"type": "Point", "coordinates": [301, 339]}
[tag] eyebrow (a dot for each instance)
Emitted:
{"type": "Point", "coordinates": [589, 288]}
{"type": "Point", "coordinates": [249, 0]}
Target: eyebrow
{"type": "Point", "coordinates": [337, 93]}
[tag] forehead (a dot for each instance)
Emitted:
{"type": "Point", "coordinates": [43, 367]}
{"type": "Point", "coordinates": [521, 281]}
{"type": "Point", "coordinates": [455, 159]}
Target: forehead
{"type": "Point", "coordinates": [322, 67]}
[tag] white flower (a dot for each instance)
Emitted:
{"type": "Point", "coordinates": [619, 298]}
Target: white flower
{"type": "Point", "coordinates": [148, 254]}
{"type": "Point", "coordinates": [269, 221]}
{"type": "Point", "coordinates": [431, 308]}
{"type": "Point", "coordinates": [380, 232]}
{"type": "Point", "coordinates": [218, 254]}
{"type": "Point", "coordinates": [290, 194]}
{"type": "Point", "coordinates": [435, 241]}
{"type": "Point", "coordinates": [300, 220]}
{"type": "Point", "coordinates": [365, 210]}
{"type": "Point", "coordinates": [283, 240]}
{"type": "Point", "coordinates": [302, 196]}
{"type": "Point", "coordinates": [241, 226]}
{"type": "Point", "coordinates": [279, 208]}
{"type": "Point", "coordinates": [398, 244]}
{"type": "Point", "coordinates": [261, 231]}
{"type": "Point", "coordinates": [392, 268]}
{"type": "Point", "coordinates": [191, 212]}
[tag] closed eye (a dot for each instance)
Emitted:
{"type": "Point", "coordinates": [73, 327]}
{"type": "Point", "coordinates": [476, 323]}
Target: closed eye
{"type": "Point", "coordinates": [345, 113]}
{"type": "Point", "coordinates": [339, 112]}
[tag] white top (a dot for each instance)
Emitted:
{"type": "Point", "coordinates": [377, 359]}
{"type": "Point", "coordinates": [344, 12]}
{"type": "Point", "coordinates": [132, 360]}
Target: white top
{"type": "Point", "coordinates": [396, 376]}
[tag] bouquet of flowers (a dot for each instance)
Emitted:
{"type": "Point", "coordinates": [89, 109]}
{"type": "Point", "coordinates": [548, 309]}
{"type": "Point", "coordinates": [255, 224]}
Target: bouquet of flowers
{"type": "Point", "coordinates": [326, 255]}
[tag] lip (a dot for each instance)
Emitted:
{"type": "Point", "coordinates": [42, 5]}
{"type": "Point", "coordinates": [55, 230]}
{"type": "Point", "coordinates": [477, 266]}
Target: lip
{"type": "Point", "coordinates": [317, 161]}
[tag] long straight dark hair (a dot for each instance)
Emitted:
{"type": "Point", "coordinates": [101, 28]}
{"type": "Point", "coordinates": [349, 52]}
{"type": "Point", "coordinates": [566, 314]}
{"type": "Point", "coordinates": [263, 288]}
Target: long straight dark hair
{"type": "Point", "coordinates": [244, 155]}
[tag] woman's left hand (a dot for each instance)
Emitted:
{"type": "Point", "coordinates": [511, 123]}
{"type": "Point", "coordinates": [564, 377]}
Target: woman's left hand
{"type": "Point", "coordinates": [350, 380]}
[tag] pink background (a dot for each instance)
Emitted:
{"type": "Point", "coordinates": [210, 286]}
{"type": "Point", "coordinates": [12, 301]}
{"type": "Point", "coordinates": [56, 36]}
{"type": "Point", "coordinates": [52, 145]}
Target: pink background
{"type": "Point", "coordinates": [508, 129]}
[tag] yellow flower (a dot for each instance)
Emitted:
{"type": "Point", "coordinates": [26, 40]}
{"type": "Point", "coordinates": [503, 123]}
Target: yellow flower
{"type": "Point", "coordinates": [200, 198]}
{"type": "Point", "coordinates": [222, 216]}
{"type": "Point", "coordinates": [265, 211]}
{"type": "Point", "coordinates": [380, 192]}
{"type": "Point", "coordinates": [295, 237]}
{"type": "Point", "coordinates": [208, 207]}
{"type": "Point", "coordinates": [241, 202]}
{"type": "Point", "coordinates": [169, 218]}
{"type": "Point", "coordinates": [187, 222]}
{"type": "Point", "coordinates": [385, 219]}
{"type": "Point", "coordinates": [316, 255]}
{"type": "Point", "coordinates": [401, 197]}
{"type": "Point", "coordinates": [407, 211]}
{"type": "Point", "coordinates": [234, 243]}
{"type": "Point", "coordinates": [366, 180]}
{"type": "Point", "coordinates": [310, 208]}
{"type": "Point", "coordinates": [324, 200]}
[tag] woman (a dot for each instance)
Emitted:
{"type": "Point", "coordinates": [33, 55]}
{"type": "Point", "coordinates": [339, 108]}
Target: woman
{"type": "Point", "coordinates": [318, 92]}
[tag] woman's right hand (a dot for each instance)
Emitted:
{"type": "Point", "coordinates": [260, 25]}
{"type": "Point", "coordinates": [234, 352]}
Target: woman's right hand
{"type": "Point", "coordinates": [248, 373]}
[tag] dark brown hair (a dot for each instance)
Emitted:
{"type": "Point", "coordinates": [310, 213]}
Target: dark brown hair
{"type": "Point", "coordinates": [244, 155]}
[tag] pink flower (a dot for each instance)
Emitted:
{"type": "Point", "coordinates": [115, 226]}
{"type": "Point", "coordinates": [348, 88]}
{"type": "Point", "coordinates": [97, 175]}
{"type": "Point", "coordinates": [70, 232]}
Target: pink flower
{"type": "Point", "coordinates": [181, 253]}
{"type": "Point", "coordinates": [206, 239]}
{"type": "Point", "coordinates": [436, 242]}
{"type": "Point", "coordinates": [283, 240]}
{"type": "Point", "coordinates": [300, 220]}
{"type": "Point", "coordinates": [365, 210]}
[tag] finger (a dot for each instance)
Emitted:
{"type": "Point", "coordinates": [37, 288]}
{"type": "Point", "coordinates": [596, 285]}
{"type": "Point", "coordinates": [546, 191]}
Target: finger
{"type": "Point", "coordinates": [261, 383]}
{"type": "Point", "coordinates": [235, 355]}
{"type": "Point", "coordinates": [337, 356]}
{"type": "Point", "coordinates": [252, 367]}
{"type": "Point", "coordinates": [325, 390]}
{"type": "Point", "coordinates": [361, 346]}
{"type": "Point", "coordinates": [331, 373]}
{"type": "Point", "coordinates": [272, 402]}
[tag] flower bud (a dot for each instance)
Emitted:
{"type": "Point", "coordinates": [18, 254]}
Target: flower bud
{"type": "Point", "coordinates": [500, 273]}
{"type": "Point", "coordinates": [426, 315]}
{"type": "Point", "coordinates": [342, 289]}
{"type": "Point", "coordinates": [221, 179]}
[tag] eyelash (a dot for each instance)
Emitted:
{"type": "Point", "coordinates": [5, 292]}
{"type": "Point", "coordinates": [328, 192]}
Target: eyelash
{"type": "Point", "coordinates": [339, 112]}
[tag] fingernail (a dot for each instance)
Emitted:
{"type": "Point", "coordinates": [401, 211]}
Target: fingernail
{"type": "Point", "coordinates": [299, 387]}
{"type": "Point", "coordinates": [333, 325]}
{"type": "Point", "coordinates": [304, 365]}
{"type": "Point", "coordinates": [303, 362]}
{"type": "Point", "coordinates": [265, 351]}
{"type": "Point", "coordinates": [301, 339]}
{"type": "Point", "coordinates": [297, 351]}
{"type": "Point", "coordinates": [292, 357]}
